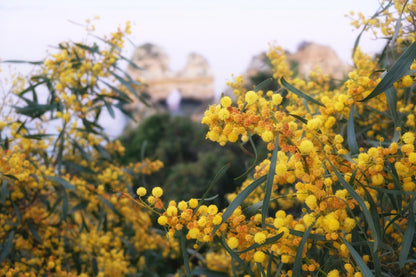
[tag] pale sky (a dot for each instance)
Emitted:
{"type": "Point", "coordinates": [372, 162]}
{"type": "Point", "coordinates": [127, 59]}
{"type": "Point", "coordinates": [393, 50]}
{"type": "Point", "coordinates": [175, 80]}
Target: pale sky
{"type": "Point", "coordinates": [227, 33]}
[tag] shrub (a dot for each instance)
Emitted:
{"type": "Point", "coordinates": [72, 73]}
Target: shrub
{"type": "Point", "coordinates": [334, 197]}
{"type": "Point", "coordinates": [65, 204]}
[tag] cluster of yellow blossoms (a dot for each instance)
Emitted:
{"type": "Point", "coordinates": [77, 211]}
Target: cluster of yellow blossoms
{"type": "Point", "coordinates": [62, 210]}
{"type": "Point", "coordinates": [320, 187]}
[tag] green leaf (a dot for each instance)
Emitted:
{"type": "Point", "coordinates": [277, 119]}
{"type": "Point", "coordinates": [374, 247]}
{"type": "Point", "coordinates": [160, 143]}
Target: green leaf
{"type": "Point", "coordinates": [239, 199]}
{"type": "Point", "coordinates": [20, 61]}
{"type": "Point", "coordinates": [4, 191]}
{"type": "Point", "coordinates": [109, 205]}
{"type": "Point", "coordinates": [357, 197]}
{"type": "Point", "coordinates": [264, 84]}
{"type": "Point", "coordinates": [253, 165]}
{"type": "Point", "coordinates": [351, 139]}
{"type": "Point", "coordinates": [366, 25]}
{"type": "Point", "coordinates": [61, 181]}
{"type": "Point", "coordinates": [131, 63]}
{"type": "Point", "coordinates": [110, 109]}
{"type": "Point", "coordinates": [217, 177]}
{"type": "Point", "coordinates": [269, 183]}
{"type": "Point", "coordinates": [398, 24]}
{"type": "Point", "coordinates": [408, 236]}
{"type": "Point", "coordinates": [298, 258]}
{"type": "Point", "coordinates": [103, 152]}
{"type": "Point", "coordinates": [34, 232]}
{"type": "Point", "coordinates": [185, 254]}
{"type": "Point", "coordinates": [311, 236]}
{"type": "Point", "coordinates": [34, 110]}
{"type": "Point", "coordinates": [38, 136]}
{"type": "Point", "coordinates": [7, 248]}
{"type": "Point", "coordinates": [119, 92]}
{"type": "Point", "coordinates": [253, 209]}
{"type": "Point", "coordinates": [128, 85]}
{"type": "Point", "coordinates": [357, 257]}
{"type": "Point", "coordinates": [101, 218]}
{"type": "Point", "coordinates": [31, 88]}
{"type": "Point", "coordinates": [391, 96]}
{"type": "Point", "coordinates": [299, 93]}
{"type": "Point", "coordinates": [299, 118]}
{"type": "Point", "coordinates": [80, 206]}
{"type": "Point", "coordinates": [207, 272]}
{"type": "Point", "coordinates": [398, 70]}
{"type": "Point", "coordinates": [93, 49]}
{"type": "Point", "coordinates": [65, 205]}
{"type": "Point", "coordinates": [11, 177]}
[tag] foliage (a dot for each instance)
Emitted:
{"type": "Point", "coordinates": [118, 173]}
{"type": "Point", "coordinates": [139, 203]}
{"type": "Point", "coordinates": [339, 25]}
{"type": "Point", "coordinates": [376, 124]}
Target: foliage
{"type": "Point", "coordinates": [65, 207]}
{"type": "Point", "coordinates": [190, 161]}
{"type": "Point", "coordinates": [334, 197]}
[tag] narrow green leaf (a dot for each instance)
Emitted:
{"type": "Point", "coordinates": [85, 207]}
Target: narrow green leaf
{"type": "Point", "coordinates": [101, 218]}
{"type": "Point", "coordinates": [261, 269]}
{"type": "Point", "coordinates": [128, 85]}
{"type": "Point", "coordinates": [62, 182]}
{"type": "Point", "coordinates": [103, 152]}
{"type": "Point", "coordinates": [94, 265]}
{"type": "Point", "coordinates": [253, 209]}
{"type": "Point", "coordinates": [4, 192]}
{"type": "Point", "coordinates": [31, 88]}
{"type": "Point", "coordinates": [235, 256]}
{"type": "Point", "coordinates": [269, 265]}
{"type": "Point", "coordinates": [299, 118]}
{"type": "Point", "coordinates": [397, 186]}
{"type": "Point", "coordinates": [7, 248]}
{"type": "Point", "coordinates": [311, 236]}
{"type": "Point", "coordinates": [299, 93]}
{"type": "Point", "coordinates": [80, 206]}
{"type": "Point", "coordinates": [298, 258]}
{"type": "Point", "coordinates": [38, 136]}
{"type": "Point", "coordinates": [65, 205]}
{"type": "Point", "coordinates": [131, 63]}
{"type": "Point", "coordinates": [239, 199]}
{"type": "Point", "coordinates": [110, 109]}
{"type": "Point", "coordinates": [218, 176]}
{"type": "Point", "coordinates": [185, 254]}
{"type": "Point", "coordinates": [351, 139]}
{"type": "Point", "coordinates": [408, 236]}
{"type": "Point", "coordinates": [264, 84]}
{"type": "Point", "coordinates": [357, 257]}
{"type": "Point", "coordinates": [398, 24]}
{"type": "Point", "coordinates": [279, 269]}
{"type": "Point", "coordinates": [357, 197]}
{"type": "Point", "coordinates": [119, 92]}
{"type": "Point", "coordinates": [253, 165]}
{"type": "Point", "coordinates": [109, 205]}
{"type": "Point", "coordinates": [391, 96]}
{"type": "Point", "coordinates": [366, 25]}
{"type": "Point", "coordinates": [398, 70]}
{"type": "Point", "coordinates": [34, 110]}
{"type": "Point", "coordinates": [93, 49]}
{"type": "Point", "coordinates": [269, 183]}
{"type": "Point", "coordinates": [17, 212]}
{"type": "Point", "coordinates": [20, 61]}
{"type": "Point", "coordinates": [11, 177]}
{"type": "Point", "coordinates": [34, 232]}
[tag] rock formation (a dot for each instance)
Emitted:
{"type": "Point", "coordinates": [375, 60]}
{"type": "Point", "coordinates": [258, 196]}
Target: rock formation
{"type": "Point", "coordinates": [193, 84]}
{"type": "Point", "coordinates": [311, 55]}
{"type": "Point", "coordinates": [307, 58]}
